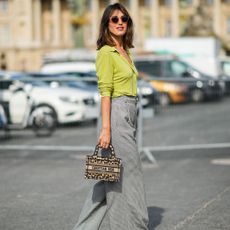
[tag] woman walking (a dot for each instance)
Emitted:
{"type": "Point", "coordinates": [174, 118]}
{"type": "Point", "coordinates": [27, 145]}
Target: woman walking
{"type": "Point", "coordinates": [123, 202]}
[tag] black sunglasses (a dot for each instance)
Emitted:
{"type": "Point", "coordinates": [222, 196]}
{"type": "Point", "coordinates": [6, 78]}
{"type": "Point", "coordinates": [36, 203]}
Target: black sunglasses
{"type": "Point", "coordinates": [123, 18]}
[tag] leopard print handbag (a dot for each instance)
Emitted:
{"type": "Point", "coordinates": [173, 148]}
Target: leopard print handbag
{"type": "Point", "coordinates": [103, 168]}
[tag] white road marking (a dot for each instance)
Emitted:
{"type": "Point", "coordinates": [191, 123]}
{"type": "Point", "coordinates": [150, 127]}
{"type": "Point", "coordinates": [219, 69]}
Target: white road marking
{"type": "Point", "coordinates": [221, 161]}
{"type": "Point", "coordinates": [91, 148]}
{"type": "Point", "coordinates": [189, 147]}
{"type": "Point", "coordinates": [46, 147]}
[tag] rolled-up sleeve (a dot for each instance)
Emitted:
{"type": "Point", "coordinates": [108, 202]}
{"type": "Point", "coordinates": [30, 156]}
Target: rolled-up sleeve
{"type": "Point", "coordinates": [104, 69]}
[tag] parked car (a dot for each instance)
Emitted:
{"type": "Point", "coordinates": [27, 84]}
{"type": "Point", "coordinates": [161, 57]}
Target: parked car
{"type": "Point", "coordinates": [69, 82]}
{"type": "Point", "coordinates": [82, 80]}
{"type": "Point", "coordinates": [19, 111]}
{"type": "Point", "coordinates": [177, 80]}
{"type": "Point", "coordinates": [87, 69]}
{"type": "Point", "coordinates": [88, 81]}
{"type": "Point", "coordinates": [68, 105]}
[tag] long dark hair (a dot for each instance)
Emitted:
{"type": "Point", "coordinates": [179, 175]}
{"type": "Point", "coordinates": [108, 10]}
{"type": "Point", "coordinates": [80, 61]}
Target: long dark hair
{"type": "Point", "coordinates": [104, 37]}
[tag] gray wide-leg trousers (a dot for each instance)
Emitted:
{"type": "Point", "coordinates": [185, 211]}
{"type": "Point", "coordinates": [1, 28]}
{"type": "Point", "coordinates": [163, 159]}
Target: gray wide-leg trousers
{"type": "Point", "coordinates": [123, 203]}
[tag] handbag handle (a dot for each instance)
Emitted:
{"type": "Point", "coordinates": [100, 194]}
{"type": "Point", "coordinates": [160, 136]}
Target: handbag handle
{"type": "Point", "coordinates": [98, 147]}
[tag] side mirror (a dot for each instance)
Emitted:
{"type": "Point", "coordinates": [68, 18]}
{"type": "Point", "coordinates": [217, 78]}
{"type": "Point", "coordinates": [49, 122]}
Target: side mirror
{"type": "Point", "coordinates": [186, 74]}
{"type": "Point", "coordinates": [16, 86]}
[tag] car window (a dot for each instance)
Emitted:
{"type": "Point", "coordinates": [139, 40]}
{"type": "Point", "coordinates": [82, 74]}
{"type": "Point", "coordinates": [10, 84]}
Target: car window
{"type": "Point", "coordinates": [226, 67]}
{"type": "Point", "coordinates": [36, 83]}
{"type": "Point", "coordinates": [174, 69]}
{"type": "Point", "coordinates": [4, 84]}
{"type": "Point", "coordinates": [152, 68]}
{"type": "Point", "coordinates": [71, 74]}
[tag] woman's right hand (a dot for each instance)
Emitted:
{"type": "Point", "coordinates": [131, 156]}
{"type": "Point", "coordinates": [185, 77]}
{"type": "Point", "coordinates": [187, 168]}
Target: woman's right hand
{"type": "Point", "coordinates": [104, 138]}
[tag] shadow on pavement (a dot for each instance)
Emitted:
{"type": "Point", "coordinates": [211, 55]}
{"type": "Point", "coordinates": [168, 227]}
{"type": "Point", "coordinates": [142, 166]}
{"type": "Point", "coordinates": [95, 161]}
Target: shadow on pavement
{"type": "Point", "coordinates": [155, 217]}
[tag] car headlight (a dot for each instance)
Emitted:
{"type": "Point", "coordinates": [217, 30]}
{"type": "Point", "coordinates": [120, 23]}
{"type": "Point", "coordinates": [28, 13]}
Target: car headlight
{"type": "Point", "coordinates": [222, 84]}
{"type": "Point", "coordinates": [211, 82]}
{"type": "Point", "coordinates": [146, 90]}
{"type": "Point", "coordinates": [199, 84]}
{"type": "Point", "coordinates": [89, 101]}
{"type": "Point", "coordinates": [96, 97]}
{"type": "Point", "coordinates": [69, 99]}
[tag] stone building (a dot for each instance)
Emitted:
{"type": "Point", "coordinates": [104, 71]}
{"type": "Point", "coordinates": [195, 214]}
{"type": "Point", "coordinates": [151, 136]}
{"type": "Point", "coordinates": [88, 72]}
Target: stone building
{"type": "Point", "coordinates": [29, 28]}
{"type": "Point", "coordinates": [162, 18]}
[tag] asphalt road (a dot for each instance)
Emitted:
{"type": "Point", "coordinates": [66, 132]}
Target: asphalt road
{"type": "Point", "coordinates": [42, 185]}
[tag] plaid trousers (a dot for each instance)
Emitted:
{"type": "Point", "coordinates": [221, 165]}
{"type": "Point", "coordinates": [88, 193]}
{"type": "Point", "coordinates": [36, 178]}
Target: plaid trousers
{"type": "Point", "coordinates": [122, 203]}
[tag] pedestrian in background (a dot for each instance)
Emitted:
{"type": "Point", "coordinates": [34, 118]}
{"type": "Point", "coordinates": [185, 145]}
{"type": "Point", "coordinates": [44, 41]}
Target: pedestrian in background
{"type": "Point", "coordinates": [122, 203]}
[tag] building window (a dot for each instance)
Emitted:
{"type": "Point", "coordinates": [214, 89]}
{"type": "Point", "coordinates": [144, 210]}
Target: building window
{"type": "Point", "coordinates": [103, 4]}
{"type": "Point", "coordinates": [5, 34]}
{"type": "Point", "coordinates": [167, 2]}
{"type": "Point", "coordinates": [226, 68]}
{"type": "Point", "coordinates": [4, 5]}
{"type": "Point", "coordinates": [168, 28]}
{"type": "Point", "coordinates": [147, 2]}
{"type": "Point", "coordinates": [209, 2]}
{"type": "Point", "coordinates": [3, 62]}
{"type": "Point", "coordinates": [125, 3]}
{"type": "Point", "coordinates": [228, 25]}
{"type": "Point", "coordinates": [186, 3]}
{"type": "Point", "coordinates": [47, 5]}
{"type": "Point", "coordinates": [88, 4]}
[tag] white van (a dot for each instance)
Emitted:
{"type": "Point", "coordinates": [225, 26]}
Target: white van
{"type": "Point", "coordinates": [199, 52]}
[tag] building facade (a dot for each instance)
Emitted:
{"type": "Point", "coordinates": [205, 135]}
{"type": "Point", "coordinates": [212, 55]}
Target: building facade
{"type": "Point", "coordinates": [162, 18]}
{"type": "Point", "coordinates": [30, 28]}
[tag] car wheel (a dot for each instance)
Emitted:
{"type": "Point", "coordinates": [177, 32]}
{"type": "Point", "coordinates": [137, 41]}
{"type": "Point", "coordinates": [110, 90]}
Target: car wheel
{"type": "Point", "coordinates": [44, 120]}
{"type": "Point", "coordinates": [197, 95]}
{"type": "Point", "coordinates": [164, 99]}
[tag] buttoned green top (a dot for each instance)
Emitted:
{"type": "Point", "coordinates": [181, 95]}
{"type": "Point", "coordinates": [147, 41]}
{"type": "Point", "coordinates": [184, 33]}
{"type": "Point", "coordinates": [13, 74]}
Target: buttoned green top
{"type": "Point", "coordinates": [116, 76]}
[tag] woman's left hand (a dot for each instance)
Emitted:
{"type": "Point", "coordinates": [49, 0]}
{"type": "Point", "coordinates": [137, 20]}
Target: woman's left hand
{"type": "Point", "coordinates": [104, 139]}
